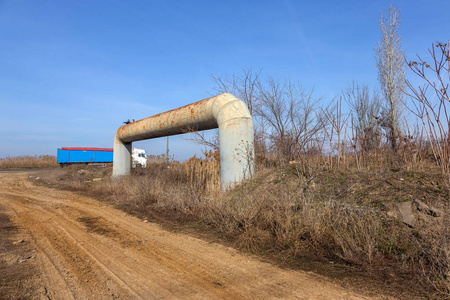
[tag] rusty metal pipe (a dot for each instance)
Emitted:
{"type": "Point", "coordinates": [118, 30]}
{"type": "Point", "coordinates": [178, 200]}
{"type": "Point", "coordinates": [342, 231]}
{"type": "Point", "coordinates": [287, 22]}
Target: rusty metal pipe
{"type": "Point", "coordinates": [224, 111]}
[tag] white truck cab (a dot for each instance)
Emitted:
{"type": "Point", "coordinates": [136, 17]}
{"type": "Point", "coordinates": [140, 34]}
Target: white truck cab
{"type": "Point", "coordinates": [138, 158]}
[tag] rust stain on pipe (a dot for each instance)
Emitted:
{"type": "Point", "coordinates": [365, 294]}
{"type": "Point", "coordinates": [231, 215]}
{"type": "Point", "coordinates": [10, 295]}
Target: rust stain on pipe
{"type": "Point", "coordinates": [172, 122]}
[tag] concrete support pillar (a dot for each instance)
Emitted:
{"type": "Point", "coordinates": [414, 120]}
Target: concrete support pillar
{"type": "Point", "coordinates": [121, 158]}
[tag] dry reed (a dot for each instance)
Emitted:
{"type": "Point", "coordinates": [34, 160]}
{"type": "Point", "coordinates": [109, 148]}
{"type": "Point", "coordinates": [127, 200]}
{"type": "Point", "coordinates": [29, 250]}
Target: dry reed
{"type": "Point", "coordinates": [26, 161]}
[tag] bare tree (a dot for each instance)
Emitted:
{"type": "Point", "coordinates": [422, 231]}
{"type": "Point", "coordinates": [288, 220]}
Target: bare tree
{"type": "Point", "coordinates": [366, 110]}
{"type": "Point", "coordinates": [334, 116]}
{"type": "Point", "coordinates": [431, 101]}
{"type": "Point", "coordinates": [199, 138]}
{"type": "Point", "coordinates": [285, 116]}
{"type": "Point", "coordinates": [244, 87]}
{"type": "Point", "coordinates": [391, 71]}
{"type": "Point", "coordinates": [291, 116]}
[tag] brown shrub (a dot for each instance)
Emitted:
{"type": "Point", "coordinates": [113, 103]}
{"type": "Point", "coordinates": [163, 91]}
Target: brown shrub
{"type": "Point", "coordinates": [25, 161]}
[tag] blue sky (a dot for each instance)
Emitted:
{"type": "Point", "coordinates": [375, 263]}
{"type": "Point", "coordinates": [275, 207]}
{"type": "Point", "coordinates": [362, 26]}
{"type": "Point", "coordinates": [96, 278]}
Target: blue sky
{"type": "Point", "coordinates": [72, 71]}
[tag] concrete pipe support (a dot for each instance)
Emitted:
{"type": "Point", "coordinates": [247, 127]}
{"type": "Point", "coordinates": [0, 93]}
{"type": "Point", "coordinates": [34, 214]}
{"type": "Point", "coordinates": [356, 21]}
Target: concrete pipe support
{"type": "Point", "coordinates": [224, 111]}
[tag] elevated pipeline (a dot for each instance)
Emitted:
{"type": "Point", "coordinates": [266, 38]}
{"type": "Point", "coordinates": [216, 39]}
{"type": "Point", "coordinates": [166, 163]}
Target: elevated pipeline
{"type": "Point", "coordinates": [224, 111]}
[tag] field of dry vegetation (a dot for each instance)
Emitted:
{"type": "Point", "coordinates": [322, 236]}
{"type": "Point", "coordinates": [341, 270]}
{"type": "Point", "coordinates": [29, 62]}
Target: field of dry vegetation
{"type": "Point", "coordinates": [26, 161]}
{"type": "Point", "coordinates": [349, 214]}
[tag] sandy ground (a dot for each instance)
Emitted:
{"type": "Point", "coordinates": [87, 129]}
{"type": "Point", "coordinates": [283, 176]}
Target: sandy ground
{"type": "Point", "coordinates": [74, 247]}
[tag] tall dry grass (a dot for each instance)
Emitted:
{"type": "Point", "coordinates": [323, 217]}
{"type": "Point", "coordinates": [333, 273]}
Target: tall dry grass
{"type": "Point", "coordinates": [26, 161]}
{"type": "Point", "coordinates": [301, 209]}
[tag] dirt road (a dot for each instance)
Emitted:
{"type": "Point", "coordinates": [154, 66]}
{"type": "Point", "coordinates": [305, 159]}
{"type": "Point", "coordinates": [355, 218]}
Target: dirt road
{"type": "Point", "coordinates": [85, 249]}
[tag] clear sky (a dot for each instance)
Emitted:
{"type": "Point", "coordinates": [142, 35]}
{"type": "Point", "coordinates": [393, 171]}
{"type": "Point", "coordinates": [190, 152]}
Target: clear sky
{"type": "Point", "coordinates": [72, 71]}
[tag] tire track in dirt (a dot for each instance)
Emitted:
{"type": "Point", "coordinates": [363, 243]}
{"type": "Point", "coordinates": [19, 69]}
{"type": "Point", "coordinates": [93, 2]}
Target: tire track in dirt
{"type": "Point", "coordinates": [61, 224]}
{"type": "Point", "coordinates": [91, 250]}
{"type": "Point", "coordinates": [65, 259]}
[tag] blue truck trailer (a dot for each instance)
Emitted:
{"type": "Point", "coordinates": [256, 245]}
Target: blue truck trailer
{"type": "Point", "coordinates": [82, 155]}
